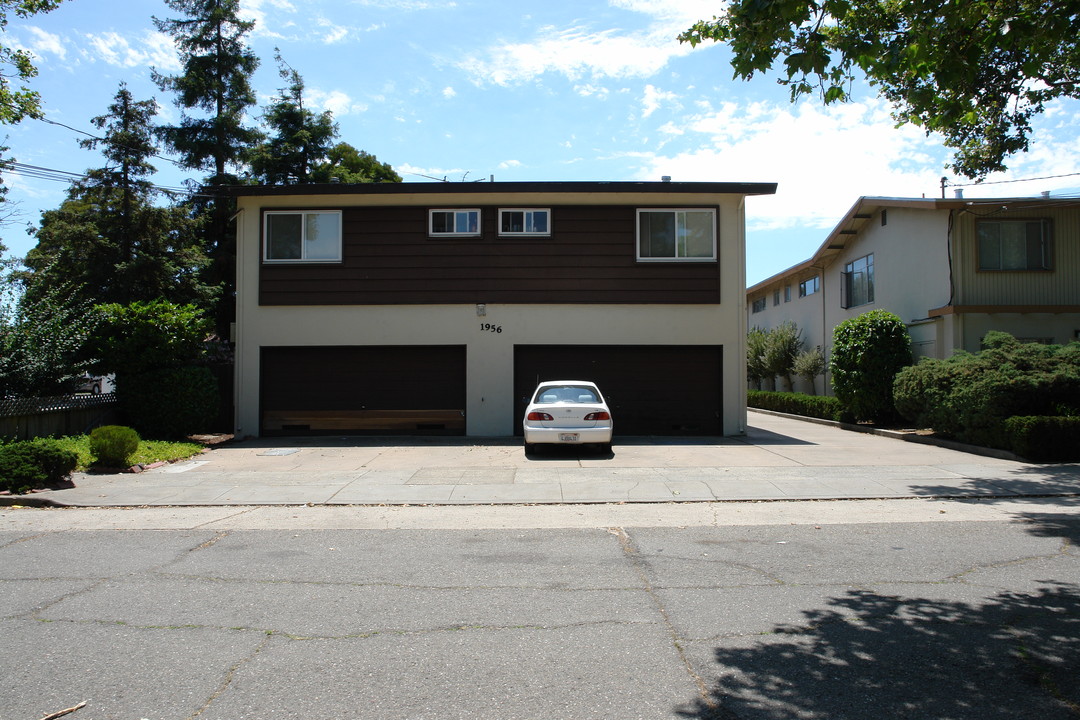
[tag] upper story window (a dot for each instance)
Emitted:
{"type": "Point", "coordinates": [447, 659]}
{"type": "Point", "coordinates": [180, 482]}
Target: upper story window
{"type": "Point", "coordinates": [454, 223]}
{"type": "Point", "coordinates": [787, 293]}
{"type": "Point", "coordinates": [302, 236]}
{"type": "Point", "coordinates": [858, 282]}
{"type": "Point", "coordinates": [525, 221]}
{"type": "Point", "coordinates": [1014, 244]}
{"type": "Point", "coordinates": [676, 234]}
{"type": "Point", "coordinates": [758, 305]}
{"type": "Point", "coordinates": [809, 286]}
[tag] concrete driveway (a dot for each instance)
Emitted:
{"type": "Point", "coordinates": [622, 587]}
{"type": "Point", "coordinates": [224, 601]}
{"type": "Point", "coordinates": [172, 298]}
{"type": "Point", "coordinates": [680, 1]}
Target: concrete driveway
{"type": "Point", "coordinates": [780, 458]}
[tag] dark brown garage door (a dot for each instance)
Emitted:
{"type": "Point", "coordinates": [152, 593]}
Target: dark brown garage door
{"type": "Point", "coordinates": [359, 390]}
{"type": "Point", "coordinates": [652, 389]}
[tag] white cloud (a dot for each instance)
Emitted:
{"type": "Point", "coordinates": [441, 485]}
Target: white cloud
{"type": "Point", "coordinates": [590, 90]}
{"type": "Point", "coordinates": [654, 98]}
{"type": "Point", "coordinates": [416, 173]}
{"type": "Point", "coordinates": [46, 42]}
{"type": "Point", "coordinates": [336, 35]}
{"type": "Point", "coordinates": [153, 48]}
{"type": "Point", "coordinates": [507, 164]}
{"type": "Point", "coordinates": [407, 5]}
{"type": "Point", "coordinates": [336, 102]}
{"type": "Point", "coordinates": [822, 158]}
{"type": "Point", "coordinates": [449, 92]}
{"type": "Point", "coordinates": [585, 51]}
{"type": "Point", "coordinates": [574, 52]}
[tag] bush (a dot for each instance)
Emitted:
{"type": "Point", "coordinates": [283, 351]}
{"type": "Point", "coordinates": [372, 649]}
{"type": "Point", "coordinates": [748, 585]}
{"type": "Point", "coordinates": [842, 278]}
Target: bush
{"type": "Point", "coordinates": [969, 396]}
{"type": "Point", "coordinates": [170, 402]}
{"type": "Point", "coordinates": [34, 463]}
{"type": "Point", "coordinates": [1045, 439]}
{"type": "Point", "coordinates": [112, 445]}
{"type": "Point", "coordinates": [817, 406]}
{"type": "Point", "coordinates": [868, 351]}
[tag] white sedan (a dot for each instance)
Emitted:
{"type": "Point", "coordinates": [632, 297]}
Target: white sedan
{"type": "Point", "coordinates": [567, 412]}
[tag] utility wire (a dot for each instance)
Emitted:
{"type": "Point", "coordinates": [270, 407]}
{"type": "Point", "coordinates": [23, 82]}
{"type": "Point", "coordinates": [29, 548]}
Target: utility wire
{"type": "Point", "coordinates": [64, 176]}
{"type": "Point", "coordinates": [1003, 182]}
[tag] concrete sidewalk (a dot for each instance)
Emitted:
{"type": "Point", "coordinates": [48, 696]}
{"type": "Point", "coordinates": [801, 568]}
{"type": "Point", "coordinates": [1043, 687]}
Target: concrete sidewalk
{"type": "Point", "coordinates": [780, 458]}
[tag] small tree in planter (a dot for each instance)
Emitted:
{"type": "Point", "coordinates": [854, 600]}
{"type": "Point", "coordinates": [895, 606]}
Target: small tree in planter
{"type": "Point", "coordinates": [781, 348]}
{"type": "Point", "coordinates": [756, 340]}
{"type": "Point", "coordinates": [808, 365]}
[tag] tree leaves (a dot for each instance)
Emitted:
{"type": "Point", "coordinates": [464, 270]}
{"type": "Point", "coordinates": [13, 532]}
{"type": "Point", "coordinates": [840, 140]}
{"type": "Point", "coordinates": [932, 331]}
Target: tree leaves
{"type": "Point", "coordinates": [976, 72]}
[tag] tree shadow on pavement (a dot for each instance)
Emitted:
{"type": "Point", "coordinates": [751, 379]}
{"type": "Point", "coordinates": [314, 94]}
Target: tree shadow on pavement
{"type": "Point", "coordinates": [876, 657]}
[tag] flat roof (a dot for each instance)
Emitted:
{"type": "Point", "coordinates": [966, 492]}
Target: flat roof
{"type": "Point", "coordinates": [484, 187]}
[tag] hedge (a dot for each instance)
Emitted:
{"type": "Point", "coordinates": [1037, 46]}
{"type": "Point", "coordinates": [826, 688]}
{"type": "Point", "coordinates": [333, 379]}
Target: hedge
{"type": "Point", "coordinates": [817, 406]}
{"type": "Point", "coordinates": [1045, 438]}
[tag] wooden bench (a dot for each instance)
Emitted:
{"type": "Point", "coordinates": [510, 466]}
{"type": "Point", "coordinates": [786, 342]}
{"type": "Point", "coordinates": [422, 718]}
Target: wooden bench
{"type": "Point", "coordinates": [346, 420]}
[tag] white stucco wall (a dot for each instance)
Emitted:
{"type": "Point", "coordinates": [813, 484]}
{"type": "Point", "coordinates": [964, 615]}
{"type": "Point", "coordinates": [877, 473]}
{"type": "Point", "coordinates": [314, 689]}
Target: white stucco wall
{"type": "Point", "coordinates": [490, 356]}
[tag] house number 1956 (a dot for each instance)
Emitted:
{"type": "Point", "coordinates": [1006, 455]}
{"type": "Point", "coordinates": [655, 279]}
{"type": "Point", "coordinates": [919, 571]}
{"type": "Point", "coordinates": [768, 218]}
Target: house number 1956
{"type": "Point", "coordinates": [488, 327]}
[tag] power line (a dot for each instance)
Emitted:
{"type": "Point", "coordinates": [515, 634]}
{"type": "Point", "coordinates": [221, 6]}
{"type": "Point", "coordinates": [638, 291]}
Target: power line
{"type": "Point", "coordinates": [1004, 182]}
{"type": "Point", "coordinates": [64, 176]}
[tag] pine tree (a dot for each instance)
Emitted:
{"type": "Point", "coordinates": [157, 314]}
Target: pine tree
{"type": "Point", "coordinates": [216, 81]}
{"type": "Point", "coordinates": [299, 138]}
{"type": "Point", "coordinates": [109, 241]}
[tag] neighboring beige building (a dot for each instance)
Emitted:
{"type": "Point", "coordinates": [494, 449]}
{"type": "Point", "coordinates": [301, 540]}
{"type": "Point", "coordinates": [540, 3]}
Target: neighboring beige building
{"type": "Point", "coordinates": [951, 269]}
{"type": "Point", "coordinates": [434, 308]}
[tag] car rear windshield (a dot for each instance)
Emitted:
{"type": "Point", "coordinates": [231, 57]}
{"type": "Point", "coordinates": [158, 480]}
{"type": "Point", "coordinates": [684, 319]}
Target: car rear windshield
{"type": "Point", "coordinates": [566, 394]}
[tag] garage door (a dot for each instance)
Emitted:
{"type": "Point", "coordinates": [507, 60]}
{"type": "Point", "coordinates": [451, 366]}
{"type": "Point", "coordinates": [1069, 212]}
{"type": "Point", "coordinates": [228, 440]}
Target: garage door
{"type": "Point", "coordinates": [652, 389]}
{"type": "Point", "coordinates": [358, 390]}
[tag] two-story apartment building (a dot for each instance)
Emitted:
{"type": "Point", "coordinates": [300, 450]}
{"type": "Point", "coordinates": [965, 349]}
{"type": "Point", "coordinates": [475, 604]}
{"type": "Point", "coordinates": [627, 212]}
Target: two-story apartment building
{"type": "Point", "coordinates": [436, 307]}
{"type": "Point", "coordinates": [951, 269]}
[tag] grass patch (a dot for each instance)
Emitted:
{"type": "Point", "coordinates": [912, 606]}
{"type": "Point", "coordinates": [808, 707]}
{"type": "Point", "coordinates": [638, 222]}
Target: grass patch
{"type": "Point", "coordinates": [149, 451]}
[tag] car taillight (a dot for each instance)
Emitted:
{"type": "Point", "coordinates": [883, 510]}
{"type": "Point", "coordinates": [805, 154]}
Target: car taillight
{"type": "Point", "coordinates": [598, 416]}
{"type": "Point", "coordinates": [539, 416]}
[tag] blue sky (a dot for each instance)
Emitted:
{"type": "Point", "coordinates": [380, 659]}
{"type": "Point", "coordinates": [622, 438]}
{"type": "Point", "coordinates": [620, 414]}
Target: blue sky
{"type": "Point", "coordinates": [469, 89]}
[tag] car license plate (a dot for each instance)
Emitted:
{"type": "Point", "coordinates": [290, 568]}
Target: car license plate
{"type": "Point", "coordinates": [568, 437]}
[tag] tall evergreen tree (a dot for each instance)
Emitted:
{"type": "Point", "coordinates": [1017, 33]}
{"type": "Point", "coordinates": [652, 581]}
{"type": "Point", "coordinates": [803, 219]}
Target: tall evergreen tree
{"type": "Point", "coordinates": [216, 81]}
{"type": "Point", "coordinates": [300, 147]}
{"type": "Point", "coordinates": [299, 139]}
{"type": "Point", "coordinates": [108, 241]}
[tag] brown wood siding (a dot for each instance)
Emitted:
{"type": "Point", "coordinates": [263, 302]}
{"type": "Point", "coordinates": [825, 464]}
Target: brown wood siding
{"type": "Point", "coordinates": [651, 389]}
{"type": "Point", "coordinates": [361, 389]}
{"type": "Point", "coordinates": [590, 257]}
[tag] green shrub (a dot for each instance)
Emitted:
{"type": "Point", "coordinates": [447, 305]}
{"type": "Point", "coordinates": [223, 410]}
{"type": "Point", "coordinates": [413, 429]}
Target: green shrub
{"type": "Point", "coordinates": [868, 351]}
{"type": "Point", "coordinates": [817, 406]}
{"type": "Point", "coordinates": [113, 445]}
{"type": "Point", "coordinates": [1045, 439]}
{"type": "Point", "coordinates": [969, 396]}
{"type": "Point", "coordinates": [170, 402]}
{"type": "Point", "coordinates": [34, 463]}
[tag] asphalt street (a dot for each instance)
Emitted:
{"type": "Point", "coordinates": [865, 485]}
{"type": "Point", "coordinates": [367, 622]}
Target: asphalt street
{"type": "Point", "coordinates": [908, 608]}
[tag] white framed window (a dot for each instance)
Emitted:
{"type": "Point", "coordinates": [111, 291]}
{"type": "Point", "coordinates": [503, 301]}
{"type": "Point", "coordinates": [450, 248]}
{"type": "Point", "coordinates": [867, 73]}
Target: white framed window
{"type": "Point", "coordinates": [758, 305]}
{"type": "Point", "coordinates": [1013, 245]}
{"type": "Point", "coordinates": [309, 236]}
{"type": "Point", "coordinates": [525, 221]}
{"type": "Point", "coordinates": [809, 286]}
{"type": "Point", "coordinates": [454, 222]}
{"type": "Point", "coordinates": [676, 234]}
{"type": "Point", "coordinates": [858, 282]}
